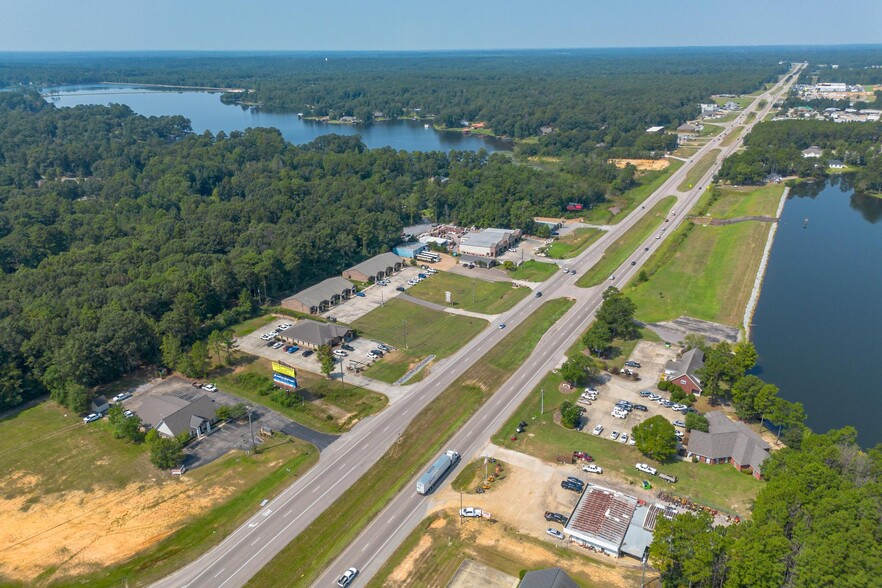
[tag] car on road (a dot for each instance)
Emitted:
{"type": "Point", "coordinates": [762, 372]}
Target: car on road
{"type": "Point", "coordinates": [209, 388]}
{"type": "Point", "coordinates": [658, 236]}
{"type": "Point", "coordinates": [612, 277]}
{"type": "Point", "coordinates": [340, 353]}
{"type": "Point", "coordinates": [308, 352]}
{"type": "Point", "coordinates": [646, 469]}
{"type": "Point", "coordinates": [400, 288]}
{"type": "Point", "coordinates": [592, 469]}
{"type": "Point", "coordinates": [121, 396]}
{"type": "Point", "coordinates": [555, 533]}
{"type": "Point", "coordinates": [646, 249]}
{"type": "Point", "coordinates": [597, 430]}
{"type": "Point", "coordinates": [623, 438]}
{"type": "Point", "coordinates": [347, 577]}
{"type": "Point", "coordinates": [556, 517]}
{"type": "Point", "coordinates": [632, 363]}
{"type": "Point", "coordinates": [470, 512]}
{"type": "Point", "coordinates": [680, 424]}
{"type": "Point", "coordinates": [91, 418]}
{"type": "Point", "coordinates": [501, 325]}
{"type": "Point", "coordinates": [566, 270]}
{"type": "Point", "coordinates": [539, 294]}
{"type": "Point", "coordinates": [633, 263]}
{"type": "Point", "coordinates": [614, 435]}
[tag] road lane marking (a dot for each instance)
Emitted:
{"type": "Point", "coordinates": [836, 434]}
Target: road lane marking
{"type": "Point", "coordinates": [220, 572]}
{"type": "Point", "coordinates": [255, 541]}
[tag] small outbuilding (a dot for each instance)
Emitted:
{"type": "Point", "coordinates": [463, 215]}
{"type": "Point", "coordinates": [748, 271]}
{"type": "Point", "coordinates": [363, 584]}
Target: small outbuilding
{"type": "Point", "coordinates": [99, 405]}
{"type": "Point", "coordinates": [376, 268]}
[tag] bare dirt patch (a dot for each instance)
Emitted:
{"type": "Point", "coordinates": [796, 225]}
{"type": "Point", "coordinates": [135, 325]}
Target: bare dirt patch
{"type": "Point", "coordinates": [77, 531]}
{"type": "Point", "coordinates": [642, 164]}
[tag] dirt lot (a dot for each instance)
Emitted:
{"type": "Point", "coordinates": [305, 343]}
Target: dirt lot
{"type": "Point", "coordinates": [641, 164]}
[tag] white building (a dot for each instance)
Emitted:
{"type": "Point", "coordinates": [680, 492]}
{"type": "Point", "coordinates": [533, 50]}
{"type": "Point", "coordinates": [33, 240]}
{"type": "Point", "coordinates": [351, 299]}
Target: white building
{"type": "Point", "coordinates": [489, 242]}
{"type": "Point", "coordinates": [831, 87]}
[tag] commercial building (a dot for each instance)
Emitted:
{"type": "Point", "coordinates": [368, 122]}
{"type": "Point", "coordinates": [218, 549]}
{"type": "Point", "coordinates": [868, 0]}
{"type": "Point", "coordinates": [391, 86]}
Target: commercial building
{"type": "Point", "coordinates": [313, 334]}
{"type": "Point", "coordinates": [173, 415]}
{"type": "Point", "coordinates": [682, 372]}
{"type": "Point", "coordinates": [489, 242]}
{"type": "Point", "coordinates": [831, 87]}
{"type": "Point", "coordinates": [728, 441]}
{"type": "Point", "coordinates": [409, 250]}
{"type": "Point", "coordinates": [319, 298]}
{"type": "Point", "coordinates": [376, 268]}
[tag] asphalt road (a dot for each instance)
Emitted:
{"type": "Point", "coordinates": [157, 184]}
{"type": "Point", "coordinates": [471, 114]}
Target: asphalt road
{"type": "Point", "coordinates": [245, 551]}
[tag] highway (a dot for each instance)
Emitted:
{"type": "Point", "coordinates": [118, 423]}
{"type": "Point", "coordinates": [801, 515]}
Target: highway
{"type": "Point", "coordinates": [247, 549]}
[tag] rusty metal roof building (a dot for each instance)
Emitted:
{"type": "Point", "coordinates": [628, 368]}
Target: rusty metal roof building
{"type": "Point", "coordinates": [601, 519]}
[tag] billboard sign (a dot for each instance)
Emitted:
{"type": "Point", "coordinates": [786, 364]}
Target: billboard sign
{"type": "Point", "coordinates": [284, 381]}
{"type": "Point", "coordinates": [281, 368]}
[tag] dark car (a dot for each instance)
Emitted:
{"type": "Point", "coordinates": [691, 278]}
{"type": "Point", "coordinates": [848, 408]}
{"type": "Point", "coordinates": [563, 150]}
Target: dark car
{"type": "Point", "coordinates": [634, 364]}
{"type": "Point", "coordinates": [348, 347]}
{"type": "Point", "coordinates": [575, 480]}
{"type": "Point", "coordinates": [538, 294]}
{"type": "Point", "coordinates": [566, 485]}
{"type": "Point", "coordinates": [400, 288]}
{"type": "Point", "coordinates": [556, 517]}
{"type": "Point", "coordinates": [308, 352]}
{"type": "Point", "coordinates": [583, 456]}
{"type": "Point", "coordinates": [640, 407]}
{"type": "Point", "coordinates": [633, 263]}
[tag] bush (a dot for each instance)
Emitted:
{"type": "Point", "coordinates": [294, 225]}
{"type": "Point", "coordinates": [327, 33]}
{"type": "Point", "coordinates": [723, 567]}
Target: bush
{"type": "Point", "coordinates": [696, 422]}
{"type": "Point", "coordinates": [285, 398]}
{"type": "Point", "coordinates": [165, 452]}
{"type": "Point", "coordinates": [664, 386]}
{"type": "Point", "coordinates": [677, 393]}
{"type": "Point", "coordinates": [569, 414]}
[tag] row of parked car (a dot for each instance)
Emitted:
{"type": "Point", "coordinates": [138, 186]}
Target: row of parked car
{"type": "Point", "coordinates": [270, 335]}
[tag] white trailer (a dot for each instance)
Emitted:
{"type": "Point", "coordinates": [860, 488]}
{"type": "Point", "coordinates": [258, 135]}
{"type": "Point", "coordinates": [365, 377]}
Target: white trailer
{"type": "Point", "coordinates": [434, 473]}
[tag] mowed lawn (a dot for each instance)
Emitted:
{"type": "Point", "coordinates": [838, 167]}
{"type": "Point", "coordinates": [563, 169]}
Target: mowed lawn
{"type": "Point", "coordinates": [429, 332]}
{"type": "Point", "coordinates": [709, 275]}
{"type": "Point", "coordinates": [721, 487]}
{"type": "Point", "coordinates": [617, 252]}
{"type": "Point", "coordinates": [472, 294]}
{"type": "Point", "coordinates": [647, 183]}
{"type": "Point", "coordinates": [573, 244]}
{"type": "Point", "coordinates": [533, 271]}
{"type": "Point", "coordinates": [698, 170]}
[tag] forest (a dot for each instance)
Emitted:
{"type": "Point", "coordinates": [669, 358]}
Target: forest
{"type": "Point", "coordinates": [775, 147]}
{"type": "Point", "coordinates": [594, 100]}
{"type": "Point", "coordinates": [117, 230]}
{"type": "Point", "coordinates": [816, 522]}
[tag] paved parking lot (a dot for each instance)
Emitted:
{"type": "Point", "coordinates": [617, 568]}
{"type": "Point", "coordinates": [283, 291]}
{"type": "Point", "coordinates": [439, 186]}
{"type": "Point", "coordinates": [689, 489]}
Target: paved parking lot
{"type": "Point", "coordinates": [652, 357]}
{"type": "Point", "coordinates": [375, 295]}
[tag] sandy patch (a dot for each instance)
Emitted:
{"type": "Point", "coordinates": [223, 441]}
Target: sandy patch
{"type": "Point", "coordinates": [642, 164]}
{"type": "Point", "coordinates": [77, 532]}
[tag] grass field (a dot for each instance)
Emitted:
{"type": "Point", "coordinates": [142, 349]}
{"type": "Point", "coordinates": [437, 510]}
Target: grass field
{"type": "Point", "coordinates": [533, 271]}
{"type": "Point", "coordinates": [467, 293]}
{"type": "Point", "coordinates": [332, 407]}
{"type": "Point", "coordinates": [707, 272]}
{"type": "Point", "coordinates": [320, 543]}
{"type": "Point", "coordinates": [441, 543]}
{"type": "Point", "coordinates": [648, 182]}
{"type": "Point", "coordinates": [428, 332]}
{"type": "Point", "coordinates": [742, 101]}
{"type": "Point", "coordinates": [72, 468]}
{"type": "Point", "coordinates": [251, 325]}
{"type": "Point", "coordinates": [721, 487]}
{"type": "Point", "coordinates": [698, 170]}
{"type": "Point", "coordinates": [573, 244]}
{"type": "Point", "coordinates": [617, 252]}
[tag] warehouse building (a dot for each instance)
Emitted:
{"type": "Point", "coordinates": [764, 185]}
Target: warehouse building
{"type": "Point", "coordinates": [489, 242]}
{"type": "Point", "coordinates": [376, 268]}
{"type": "Point", "coordinates": [319, 298]}
{"type": "Point", "coordinates": [409, 250]}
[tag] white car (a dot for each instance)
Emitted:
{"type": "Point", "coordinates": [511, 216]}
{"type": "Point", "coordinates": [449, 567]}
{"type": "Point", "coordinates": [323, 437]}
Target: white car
{"type": "Point", "coordinates": [128, 414]}
{"type": "Point", "coordinates": [91, 418]}
{"type": "Point", "coordinates": [554, 533]}
{"type": "Point", "coordinates": [372, 355]}
{"type": "Point", "coordinates": [347, 577]}
{"type": "Point", "coordinates": [632, 441]}
{"type": "Point", "coordinates": [470, 512]}
{"type": "Point", "coordinates": [597, 430]}
{"type": "Point", "coordinates": [340, 353]}
{"type": "Point", "coordinates": [277, 345]}
{"type": "Point", "coordinates": [620, 414]}
{"type": "Point", "coordinates": [679, 434]}
{"type": "Point", "coordinates": [209, 388]}
{"type": "Point", "coordinates": [592, 469]}
{"type": "Point", "coordinates": [590, 390]}
{"type": "Point", "coordinates": [614, 435]}
{"type": "Point", "coordinates": [121, 396]}
{"type": "Point", "coordinates": [623, 438]}
{"type": "Point", "coordinates": [646, 469]}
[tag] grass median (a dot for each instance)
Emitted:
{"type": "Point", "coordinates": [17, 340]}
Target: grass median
{"type": "Point", "coordinates": [318, 545]}
{"type": "Point", "coordinates": [616, 254]}
{"type": "Point", "coordinates": [698, 170]}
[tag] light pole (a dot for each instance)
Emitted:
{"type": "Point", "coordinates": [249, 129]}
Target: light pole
{"type": "Point", "coordinates": [474, 282]}
{"type": "Point", "coordinates": [405, 334]}
{"type": "Point", "coordinates": [542, 402]}
{"type": "Point", "coordinates": [251, 429]}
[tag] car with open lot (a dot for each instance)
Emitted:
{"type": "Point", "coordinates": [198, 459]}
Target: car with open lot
{"type": "Point", "coordinates": [555, 533]}
{"type": "Point", "coordinates": [470, 512]}
{"type": "Point", "coordinates": [91, 418]}
{"type": "Point", "coordinates": [340, 353]}
{"type": "Point", "coordinates": [614, 435]}
{"type": "Point", "coordinates": [209, 388]}
{"type": "Point", "coordinates": [347, 577]}
{"type": "Point", "coordinates": [623, 438]}
{"type": "Point", "coordinates": [567, 485]}
{"type": "Point", "coordinates": [680, 424]}
{"type": "Point", "coordinates": [633, 364]}
{"type": "Point", "coordinates": [597, 430]}
{"type": "Point", "coordinates": [646, 469]}
{"type": "Point", "coordinates": [592, 468]}
{"type": "Point", "coordinates": [556, 517]}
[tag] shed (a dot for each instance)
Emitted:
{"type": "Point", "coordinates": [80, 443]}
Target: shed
{"type": "Point", "coordinates": [100, 405]}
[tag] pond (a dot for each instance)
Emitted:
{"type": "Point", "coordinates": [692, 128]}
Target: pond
{"type": "Point", "coordinates": [206, 112]}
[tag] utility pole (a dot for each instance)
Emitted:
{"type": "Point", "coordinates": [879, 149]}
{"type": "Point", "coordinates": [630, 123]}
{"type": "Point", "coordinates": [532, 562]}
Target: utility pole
{"type": "Point", "coordinates": [405, 334]}
{"type": "Point", "coordinates": [460, 509]}
{"type": "Point", "coordinates": [542, 402]}
{"type": "Point", "coordinates": [342, 384]}
{"type": "Point", "coordinates": [251, 429]}
{"type": "Point", "coordinates": [473, 291]}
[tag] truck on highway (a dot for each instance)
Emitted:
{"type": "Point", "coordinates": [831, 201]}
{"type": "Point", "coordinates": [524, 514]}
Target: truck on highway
{"type": "Point", "coordinates": [434, 473]}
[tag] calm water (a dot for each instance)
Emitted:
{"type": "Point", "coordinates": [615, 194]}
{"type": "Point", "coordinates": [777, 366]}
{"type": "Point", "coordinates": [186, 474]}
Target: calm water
{"type": "Point", "coordinates": [207, 112]}
{"type": "Point", "coordinates": [818, 324]}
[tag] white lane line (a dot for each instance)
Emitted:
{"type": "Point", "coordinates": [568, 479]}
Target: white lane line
{"type": "Point", "coordinates": [386, 429]}
{"type": "Point", "coordinates": [220, 572]}
{"type": "Point", "coordinates": [287, 512]}
{"type": "Point", "coordinates": [365, 547]}
{"type": "Point", "coordinates": [255, 541]}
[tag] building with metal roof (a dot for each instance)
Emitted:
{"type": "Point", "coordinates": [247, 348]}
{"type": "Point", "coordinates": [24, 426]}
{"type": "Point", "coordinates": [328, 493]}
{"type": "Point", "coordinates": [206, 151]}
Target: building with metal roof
{"type": "Point", "coordinates": [489, 242]}
{"type": "Point", "coordinates": [601, 519]}
{"type": "Point", "coordinates": [728, 441]}
{"type": "Point", "coordinates": [409, 250]}
{"type": "Point", "coordinates": [376, 268]}
{"type": "Point", "coordinates": [319, 298]}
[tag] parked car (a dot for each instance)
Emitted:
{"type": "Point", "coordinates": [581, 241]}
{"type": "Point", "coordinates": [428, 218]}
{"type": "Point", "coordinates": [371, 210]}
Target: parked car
{"type": "Point", "coordinates": [121, 396]}
{"type": "Point", "coordinates": [340, 353]}
{"type": "Point", "coordinates": [128, 414]}
{"type": "Point", "coordinates": [640, 407]}
{"type": "Point", "coordinates": [308, 352]}
{"type": "Point", "coordinates": [555, 533]}
{"type": "Point", "coordinates": [597, 430]}
{"type": "Point", "coordinates": [91, 418]}
{"type": "Point", "coordinates": [633, 364]}
{"type": "Point", "coordinates": [680, 424]}
{"type": "Point", "coordinates": [293, 349]}
{"type": "Point", "coordinates": [347, 347]}
{"type": "Point", "coordinates": [360, 294]}
{"type": "Point", "coordinates": [372, 355]}
{"type": "Point", "coordinates": [582, 455]}
{"type": "Point", "coordinates": [570, 486]}
{"type": "Point", "coordinates": [623, 438]}
{"type": "Point", "coordinates": [400, 288]}
{"type": "Point", "coordinates": [556, 517]}
{"type": "Point", "coordinates": [209, 388]}
{"type": "Point", "coordinates": [470, 512]}
{"type": "Point", "coordinates": [614, 435]}
{"type": "Point", "coordinates": [646, 468]}
{"type": "Point", "coordinates": [383, 347]}
{"type": "Point", "coordinates": [645, 393]}
{"type": "Point", "coordinates": [347, 577]}
{"type": "Point", "coordinates": [654, 397]}
{"type": "Point", "coordinates": [592, 469]}
{"type": "Point", "coordinates": [632, 441]}
{"type": "Point", "coordinates": [423, 276]}
{"type": "Point", "coordinates": [680, 434]}
{"type": "Point", "coordinates": [277, 345]}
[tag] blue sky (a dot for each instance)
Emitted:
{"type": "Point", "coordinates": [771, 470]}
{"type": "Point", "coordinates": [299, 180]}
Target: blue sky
{"type": "Point", "coordinates": [277, 25]}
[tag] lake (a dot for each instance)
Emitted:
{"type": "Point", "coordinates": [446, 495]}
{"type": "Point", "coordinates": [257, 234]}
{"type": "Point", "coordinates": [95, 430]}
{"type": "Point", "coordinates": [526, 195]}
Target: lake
{"type": "Point", "coordinates": [818, 323]}
{"type": "Point", "coordinates": [207, 113]}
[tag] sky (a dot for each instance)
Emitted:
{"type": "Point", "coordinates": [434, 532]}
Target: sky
{"type": "Point", "coordinates": [397, 25]}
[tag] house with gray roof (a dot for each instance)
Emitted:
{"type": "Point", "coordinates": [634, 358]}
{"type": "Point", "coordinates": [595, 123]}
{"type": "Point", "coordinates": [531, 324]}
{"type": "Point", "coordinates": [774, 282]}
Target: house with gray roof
{"type": "Point", "coordinates": [319, 298]}
{"type": "Point", "coordinates": [99, 405]}
{"type": "Point", "coordinates": [812, 152]}
{"type": "Point", "coordinates": [681, 372]}
{"type": "Point", "coordinates": [376, 268]}
{"type": "Point", "coordinates": [313, 334]}
{"type": "Point", "coordinates": [547, 578]}
{"type": "Point", "coordinates": [173, 415]}
{"type": "Point", "coordinates": [729, 441]}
